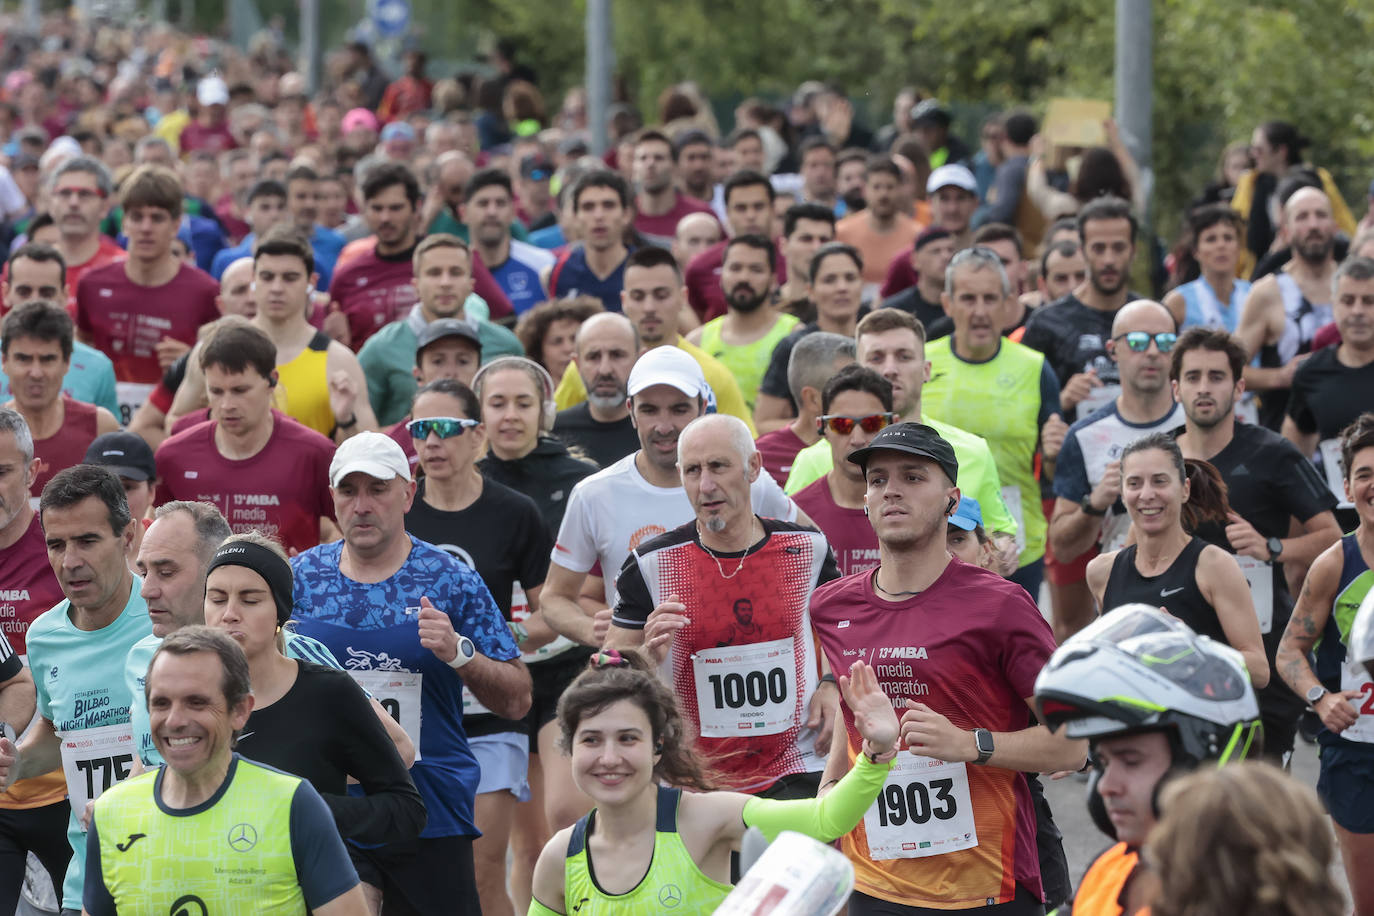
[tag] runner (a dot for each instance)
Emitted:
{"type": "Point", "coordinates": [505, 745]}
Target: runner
{"type": "Point", "coordinates": [81, 192]}
{"type": "Point", "coordinates": [282, 845]}
{"type": "Point", "coordinates": [814, 361]}
{"type": "Point", "coordinates": [601, 204]}
{"type": "Point", "coordinates": [752, 666]}
{"type": "Point", "coordinates": [974, 626]}
{"type": "Point", "coordinates": [1337, 687]}
{"type": "Point", "coordinates": [1148, 719]}
{"type": "Point", "coordinates": [307, 719]}
{"type": "Point", "coordinates": [607, 346]}
{"type": "Point", "coordinates": [78, 647]}
{"type": "Point", "coordinates": [262, 471]}
{"type": "Point", "coordinates": [1268, 483]}
{"type": "Point", "coordinates": [405, 617]}
{"type": "Point", "coordinates": [660, 847]}
{"type": "Point", "coordinates": [447, 348]}
{"type": "Point", "coordinates": [1167, 498]}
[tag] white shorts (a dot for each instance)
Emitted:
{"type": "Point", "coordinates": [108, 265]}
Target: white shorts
{"type": "Point", "coordinates": [505, 761]}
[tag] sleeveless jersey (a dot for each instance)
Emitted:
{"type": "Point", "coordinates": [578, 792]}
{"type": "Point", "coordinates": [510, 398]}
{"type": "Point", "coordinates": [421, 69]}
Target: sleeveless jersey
{"type": "Point", "coordinates": [66, 447]}
{"type": "Point", "coordinates": [304, 386]}
{"type": "Point", "coordinates": [673, 881]}
{"type": "Point", "coordinates": [233, 854]}
{"type": "Point", "coordinates": [999, 400]}
{"type": "Point", "coordinates": [1331, 668]}
{"type": "Point", "coordinates": [748, 362]}
{"type": "Point", "coordinates": [1204, 308]}
{"type": "Point", "coordinates": [1302, 319]}
{"type": "Point", "coordinates": [1175, 589]}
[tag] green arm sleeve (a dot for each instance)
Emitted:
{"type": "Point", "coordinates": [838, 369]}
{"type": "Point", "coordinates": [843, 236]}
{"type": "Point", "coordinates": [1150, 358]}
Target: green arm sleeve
{"type": "Point", "coordinates": [538, 909]}
{"type": "Point", "coordinates": [827, 818]}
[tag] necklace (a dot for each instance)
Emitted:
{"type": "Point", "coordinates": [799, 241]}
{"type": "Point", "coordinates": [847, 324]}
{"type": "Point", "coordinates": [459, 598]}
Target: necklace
{"type": "Point", "coordinates": [712, 554]}
{"type": "Point", "coordinates": [878, 585]}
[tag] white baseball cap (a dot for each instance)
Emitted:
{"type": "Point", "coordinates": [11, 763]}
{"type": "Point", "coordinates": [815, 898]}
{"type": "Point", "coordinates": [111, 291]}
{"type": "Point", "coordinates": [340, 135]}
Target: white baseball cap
{"type": "Point", "coordinates": [953, 174]}
{"type": "Point", "coordinates": [668, 365]}
{"type": "Point", "coordinates": [374, 454]}
{"type": "Point", "coordinates": [212, 91]}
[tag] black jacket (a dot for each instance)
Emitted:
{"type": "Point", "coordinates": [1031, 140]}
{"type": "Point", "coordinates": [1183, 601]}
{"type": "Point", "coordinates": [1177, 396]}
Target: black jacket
{"type": "Point", "coordinates": [546, 475]}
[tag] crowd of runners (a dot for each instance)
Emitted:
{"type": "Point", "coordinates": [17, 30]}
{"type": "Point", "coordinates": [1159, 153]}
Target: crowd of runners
{"type": "Point", "coordinates": [405, 510]}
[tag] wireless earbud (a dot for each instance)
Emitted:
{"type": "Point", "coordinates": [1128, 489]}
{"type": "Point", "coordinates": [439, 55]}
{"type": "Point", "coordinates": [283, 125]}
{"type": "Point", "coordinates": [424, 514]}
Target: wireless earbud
{"type": "Point", "coordinates": [952, 503]}
{"type": "Point", "coordinates": [865, 510]}
{"type": "Point", "coordinates": [309, 290]}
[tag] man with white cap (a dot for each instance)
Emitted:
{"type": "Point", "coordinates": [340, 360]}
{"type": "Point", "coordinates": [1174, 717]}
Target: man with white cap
{"type": "Point", "coordinates": [953, 193]}
{"type": "Point", "coordinates": [210, 130]}
{"type": "Point", "coordinates": [413, 624]}
{"type": "Point", "coordinates": [641, 495]}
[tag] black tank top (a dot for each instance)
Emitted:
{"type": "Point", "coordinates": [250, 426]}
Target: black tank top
{"type": "Point", "coordinates": [1175, 589]}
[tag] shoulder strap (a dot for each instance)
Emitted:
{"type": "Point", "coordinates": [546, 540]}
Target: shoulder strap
{"type": "Point", "coordinates": [319, 342]}
{"type": "Point", "coordinates": [577, 840]}
{"type": "Point", "coordinates": [668, 799]}
{"type": "Point", "coordinates": [557, 271]}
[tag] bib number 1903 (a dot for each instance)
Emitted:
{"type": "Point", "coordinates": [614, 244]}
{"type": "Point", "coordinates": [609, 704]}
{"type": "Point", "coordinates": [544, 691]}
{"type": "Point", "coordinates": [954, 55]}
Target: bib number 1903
{"type": "Point", "coordinates": [914, 805]}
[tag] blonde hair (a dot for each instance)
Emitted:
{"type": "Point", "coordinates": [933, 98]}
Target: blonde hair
{"type": "Point", "coordinates": [1246, 838]}
{"type": "Point", "coordinates": [254, 536]}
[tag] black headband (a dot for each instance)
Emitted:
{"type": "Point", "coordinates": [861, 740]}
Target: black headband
{"type": "Point", "coordinates": [275, 571]}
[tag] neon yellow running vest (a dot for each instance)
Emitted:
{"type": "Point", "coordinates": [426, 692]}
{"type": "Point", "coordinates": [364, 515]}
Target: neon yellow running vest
{"type": "Point", "coordinates": [749, 362]}
{"type": "Point", "coordinates": [234, 856]}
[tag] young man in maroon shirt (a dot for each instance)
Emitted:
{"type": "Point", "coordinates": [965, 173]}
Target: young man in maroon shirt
{"type": "Point", "coordinates": [261, 470]}
{"type": "Point", "coordinates": [144, 312]}
{"type": "Point", "coordinates": [659, 206]}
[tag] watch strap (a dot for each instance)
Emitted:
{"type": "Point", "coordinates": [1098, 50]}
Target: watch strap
{"type": "Point", "coordinates": [982, 738]}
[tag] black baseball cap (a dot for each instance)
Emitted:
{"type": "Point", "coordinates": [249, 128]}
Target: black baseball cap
{"type": "Point", "coordinates": [448, 327]}
{"type": "Point", "coordinates": [913, 439]}
{"type": "Point", "coordinates": [123, 453]}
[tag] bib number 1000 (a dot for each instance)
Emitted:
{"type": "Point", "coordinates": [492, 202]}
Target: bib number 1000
{"type": "Point", "coordinates": [757, 688]}
{"type": "Point", "coordinates": [914, 805]}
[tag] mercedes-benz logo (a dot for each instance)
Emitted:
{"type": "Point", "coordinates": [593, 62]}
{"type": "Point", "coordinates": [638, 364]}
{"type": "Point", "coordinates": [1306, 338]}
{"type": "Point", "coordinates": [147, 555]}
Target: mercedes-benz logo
{"type": "Point", "coordinates": [242, 837]}
{"type": "Point", "coordinates": [670, 895]}
{"type": "Point", "coordinates": [188, 905]}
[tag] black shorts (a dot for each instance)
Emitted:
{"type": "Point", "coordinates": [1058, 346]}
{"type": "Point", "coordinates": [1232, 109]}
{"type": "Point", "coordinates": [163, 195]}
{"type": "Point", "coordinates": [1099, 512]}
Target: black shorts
{"type": "Point", "coordinates": [1346, 786]}
{"type": "Point", "coordinates": [422, 877]}
{"type": "Point", "coordinates": [550, 679]}
{"type": "Point", "coordinates": [1024, 904]}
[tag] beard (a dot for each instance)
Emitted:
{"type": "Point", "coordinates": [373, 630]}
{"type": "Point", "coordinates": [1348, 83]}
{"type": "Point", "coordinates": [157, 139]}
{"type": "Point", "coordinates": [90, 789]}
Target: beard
{"type": "Point", "coordinates": [1315, 250]}
{"type": "Point", "coordinates": [715, 524]}
{"type": "Point", "coordinates": [606, 401]}
{"type": "Point", "coordinates": [745, 299]}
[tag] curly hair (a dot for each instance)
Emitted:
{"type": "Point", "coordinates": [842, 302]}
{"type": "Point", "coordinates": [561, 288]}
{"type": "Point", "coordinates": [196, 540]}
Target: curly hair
{"type": "Point", "coordinates": [633, 679]}
{"type": "Point", "coordinates": [534, 325]}
{"type": "Point", "coordinates": [1246, 838]}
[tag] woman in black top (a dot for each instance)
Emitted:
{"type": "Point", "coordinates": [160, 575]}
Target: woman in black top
{"type": "Point", "coordinates": [1168, 566]}
{"type": "Point", "coordinates": [307, 720]}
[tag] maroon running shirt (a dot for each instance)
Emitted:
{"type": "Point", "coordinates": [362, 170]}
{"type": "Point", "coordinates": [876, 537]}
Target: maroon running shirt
{"type": "Point", "coordinates": [778, 450]}
{"type": "Point", "coordinates": [27, 584]}
{"type": "Point", "coordinates": [848, 530]}
{"type": "Point", "coordinates": [282, 491]}
{"type": "Point", "coordinates": [66, 447]}
{"type": "Point", "coordinates": [126, 321]}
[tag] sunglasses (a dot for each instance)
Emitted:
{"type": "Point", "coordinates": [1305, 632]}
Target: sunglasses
{"type": "Point", "coordinates": [1139, 341]}
{"type": "Point", "coordinates": [845, 425]}
{"type": "Point", "coordinates": [443, 427]}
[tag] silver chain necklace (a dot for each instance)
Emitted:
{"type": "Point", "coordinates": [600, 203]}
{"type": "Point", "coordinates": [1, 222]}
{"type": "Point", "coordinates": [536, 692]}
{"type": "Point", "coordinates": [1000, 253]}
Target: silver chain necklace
{"type": "Point", "coordinates": [712, 554]}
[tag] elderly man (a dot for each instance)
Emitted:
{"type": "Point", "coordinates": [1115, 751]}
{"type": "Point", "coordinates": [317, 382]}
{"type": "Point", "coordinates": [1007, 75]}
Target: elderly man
{"type": "Point", "coordinates": [680, 597]}
{"type": "Point", "coordinates": [413, 624]}
{"type": "Point", "coordinates": [212, 831]}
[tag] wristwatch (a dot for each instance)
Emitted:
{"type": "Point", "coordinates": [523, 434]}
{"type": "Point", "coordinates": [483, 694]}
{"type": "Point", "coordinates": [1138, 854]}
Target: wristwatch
{"type": "Point", "coordinates": [1315, 694]}
{"type": "Point", "coordinates": [466, 653]}
{"type": "Point", "coordinates": [1086, 504]}
{"type": "Point", "coordinates": [983, 738]}
{"type": "Point", "coordinates": [1275, 548]}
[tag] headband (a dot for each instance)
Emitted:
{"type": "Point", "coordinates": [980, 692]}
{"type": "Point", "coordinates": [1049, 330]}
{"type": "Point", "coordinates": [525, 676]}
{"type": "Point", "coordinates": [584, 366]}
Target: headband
{"type": "Point", "coordinates": [275, 571]}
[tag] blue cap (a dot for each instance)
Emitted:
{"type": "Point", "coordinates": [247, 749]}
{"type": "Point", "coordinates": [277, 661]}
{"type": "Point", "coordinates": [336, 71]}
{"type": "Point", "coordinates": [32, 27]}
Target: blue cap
{"type": "Point", "coordinates": [967, 515]}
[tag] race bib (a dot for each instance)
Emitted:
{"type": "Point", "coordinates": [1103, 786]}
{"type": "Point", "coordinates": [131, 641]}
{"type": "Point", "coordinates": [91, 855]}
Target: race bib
{"type": "Point", "coordinates": [1260, 575]}
{"type": "Point", "coordinates": [1011, 496]}
{"type": "Point", "coordinates": [473, 706]}
{"type": "Point", "coordinates": [1330, 450]}
{"type": "Point", "coordinates": [519, 613]}
{"type": "Point", "coordinates": [750, 689]}
{"type": "Point", "coordinates": [1355, 677]}
{"type": "Point", "coordinates": [1098, 398]}
{"type": "Point", "coordinates": [399, 694]}
{"type": "Point", "coordinates": [131, 396]}
{"type": "Point", "coordinates": [93, 759]}
{"type": "Point", "coordinates": [1247, 411]}
{"type": "Point", "coordinates": [923, 810]}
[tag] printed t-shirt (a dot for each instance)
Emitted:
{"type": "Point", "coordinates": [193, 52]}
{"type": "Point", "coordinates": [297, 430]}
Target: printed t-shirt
{"type": "Point", "coordinates": [745, 667]}
{"type": "Point", "coordinates": [849, 532]}
{"type": "Point", "coordinates": [615, 510]}
{"type": "Point", "coordinates": [282, 491]}
{"type": "Point", "coordinates": [573, 276]}
{"type": "Point", "coordinates": [969, 647]}
{"type": "Point", "coordinates": [79, 682]}
{"type": "Point", "coordinates": [519, 276]}
{"type": "Point", "coordinates": [367, 627]}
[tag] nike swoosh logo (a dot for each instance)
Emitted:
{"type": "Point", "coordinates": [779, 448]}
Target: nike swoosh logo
{"type": "Point", "coordinates": [1166, 592]}
{"type": "Point", "coordinates": [246, 735]}
{"type": "Point", "coordinates": [133, 838]}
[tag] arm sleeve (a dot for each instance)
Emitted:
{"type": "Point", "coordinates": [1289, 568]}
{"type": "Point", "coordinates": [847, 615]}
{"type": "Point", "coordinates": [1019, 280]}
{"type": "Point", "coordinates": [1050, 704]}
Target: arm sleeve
{"type": "Point", "coordinates": [827, 818]}
{"type": "Point", "coordinates": [1049, 393]}
{"type": "Point", "coordinates": [322, 864]}
{"type": "Point", "coordinates": [485, 285]}
{"type": "Point", "coordinates": [1070, 474]}
{"type": "Point", "coordinates": [391, 810]}
{"type": "Point", "coordinates": [633, 603]}
{"type": "Point", "coordinates": [95, 896]}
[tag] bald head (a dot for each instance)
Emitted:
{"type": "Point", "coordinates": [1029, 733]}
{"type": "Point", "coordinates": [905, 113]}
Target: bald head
{"type": "Point", "coordinates": [608, 327]}
{"type": "Point", "coordinates": [1309, 225]}
{"type": "Point", "coordinates": [716, 431]}
{"type": "Point", "coordinates": [236, 289]}
{"type": "Point", "coordinates": [607, 346]}
{"type": "Point", "coordinates": [1142, 315]}
{"type": "Point", "coordinates": [695, 233]}
{"type": "Point", "coordinates": [1306, 198]}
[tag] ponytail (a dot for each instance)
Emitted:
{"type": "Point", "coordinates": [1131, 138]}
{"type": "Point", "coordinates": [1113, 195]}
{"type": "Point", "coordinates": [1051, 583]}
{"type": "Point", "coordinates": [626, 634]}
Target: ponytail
{"type": "Point", "coordinates": [1207, 500]}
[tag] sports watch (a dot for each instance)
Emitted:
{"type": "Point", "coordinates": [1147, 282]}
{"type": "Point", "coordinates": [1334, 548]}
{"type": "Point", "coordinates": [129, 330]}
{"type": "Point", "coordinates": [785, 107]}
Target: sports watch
{"type": "Point", "coordinates": [466, 653]}
{"type": "Point", "coordinates": [1275, 548]}
{"type": "Point", "coordinates": [1086, 504]}
{"type": "Point", "coordinates": [1315, 695]}
{"type": "Point", "coordinates": [983, 739]}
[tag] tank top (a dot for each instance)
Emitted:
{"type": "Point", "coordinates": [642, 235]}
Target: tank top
{"type": "Point", "coordinates": [304, 386]}
{"type": "Point", "coordinates": [1204, 308]}
{"type": "Point", "coordinates": [66, 447]}
{"type": "Point", "coordinates": [673, 881]}
{"type": "Point", "coordinates": [1302, 320]}
{"type": "Point", "coordinates": [1175, 589]}
{"type": "Point", "coordinates": [746, 363]}
{"type": "Point", "coordinates": [1330, 651]}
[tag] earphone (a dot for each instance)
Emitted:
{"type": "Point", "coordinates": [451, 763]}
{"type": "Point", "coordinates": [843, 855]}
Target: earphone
{"type": "Point", "coordinates": [952, 503]}
{"type": "Point", "coordinates": [309, 289]}
{"type": "Point", "coordinates": [549, 408]}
